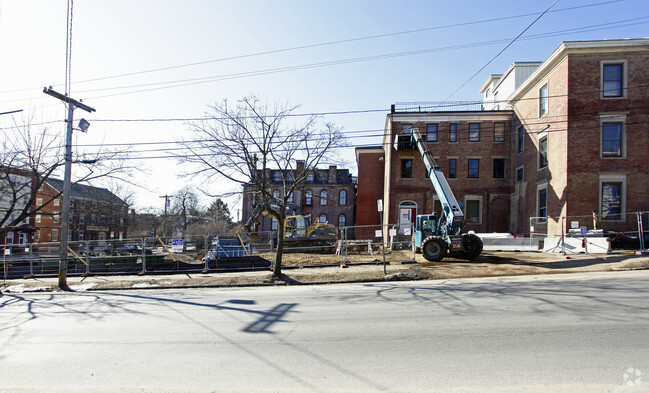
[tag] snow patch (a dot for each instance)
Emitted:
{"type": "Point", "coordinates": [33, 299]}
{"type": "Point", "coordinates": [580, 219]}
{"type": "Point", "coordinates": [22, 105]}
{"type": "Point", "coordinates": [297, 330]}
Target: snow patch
{"type": "Point", "coordinates": [21, 289]}
{"type": "Point", "coordinates": [144, 285]}
{"type": "Point", "coordinates": [82, 287]}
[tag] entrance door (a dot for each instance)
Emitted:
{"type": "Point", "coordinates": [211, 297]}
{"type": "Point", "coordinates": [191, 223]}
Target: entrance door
{"type": "Point", "coordinates": [407, 215]}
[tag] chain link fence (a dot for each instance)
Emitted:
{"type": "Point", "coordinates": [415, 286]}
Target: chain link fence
{"type": "Point", "coordinates": [592, 233]}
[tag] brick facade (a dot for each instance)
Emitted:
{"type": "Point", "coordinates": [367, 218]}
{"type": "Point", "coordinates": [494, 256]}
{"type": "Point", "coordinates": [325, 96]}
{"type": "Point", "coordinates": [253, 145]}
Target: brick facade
{"type": "Point", "coordinates": [329, 194]}
{"type": "Point", "coordinates": [558, 160]}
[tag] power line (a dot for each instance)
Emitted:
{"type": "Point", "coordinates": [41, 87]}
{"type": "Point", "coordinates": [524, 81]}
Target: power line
{"type": "Point", "coordinates": [328, 43]}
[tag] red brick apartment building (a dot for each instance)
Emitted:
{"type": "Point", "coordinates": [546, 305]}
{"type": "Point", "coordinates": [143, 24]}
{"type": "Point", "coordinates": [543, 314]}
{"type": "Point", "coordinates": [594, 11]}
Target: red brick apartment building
{"type": "Point", "coordinates": [95, 214]}
{"type": "Point", "coordinates": [564, 137]}
{"type": "Point", "coordinates": [327, 194]}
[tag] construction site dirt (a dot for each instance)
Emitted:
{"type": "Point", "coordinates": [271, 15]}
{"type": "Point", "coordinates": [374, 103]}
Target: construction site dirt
{"type": "Point", "coordinates": [301, 269]}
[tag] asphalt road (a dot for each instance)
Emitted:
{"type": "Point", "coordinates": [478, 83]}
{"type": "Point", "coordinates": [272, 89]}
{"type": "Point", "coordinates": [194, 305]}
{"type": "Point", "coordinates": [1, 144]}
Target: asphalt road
{"type": "Point", "coordinates": [578, 332]}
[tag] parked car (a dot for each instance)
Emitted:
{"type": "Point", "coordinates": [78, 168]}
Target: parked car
{"type": "Point", "coordinates": [132, 249]}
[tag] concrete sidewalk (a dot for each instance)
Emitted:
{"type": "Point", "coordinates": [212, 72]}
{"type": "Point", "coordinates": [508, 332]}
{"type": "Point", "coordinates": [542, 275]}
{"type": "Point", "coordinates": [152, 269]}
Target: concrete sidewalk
{"type": "Point", "coordinates": [489, 264]}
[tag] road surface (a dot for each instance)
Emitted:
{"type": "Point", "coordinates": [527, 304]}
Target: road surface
{"type": "Point", "coordinates": [579, 332]}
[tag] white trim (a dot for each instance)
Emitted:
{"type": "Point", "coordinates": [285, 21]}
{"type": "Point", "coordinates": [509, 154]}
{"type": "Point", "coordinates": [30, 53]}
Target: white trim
{"type": "Point", "coordinates": [473, 198]}
{"type": "Point", "coordinates": [602, 63]}
{"type": "Point", "coordinates": [617, 178]}
{"type": "Point", "coordinates": [612, 118]}
{"type": "Point", "coordinates": [539, 187]}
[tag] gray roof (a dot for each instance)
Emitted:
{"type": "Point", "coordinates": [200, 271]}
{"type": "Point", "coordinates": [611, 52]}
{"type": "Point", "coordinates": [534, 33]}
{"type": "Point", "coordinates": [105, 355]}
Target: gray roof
{"type": "Point", "coordinates": [82, 191]}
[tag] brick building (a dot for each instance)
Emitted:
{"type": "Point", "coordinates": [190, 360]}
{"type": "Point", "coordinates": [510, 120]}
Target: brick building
{"type": "Point", "coordinates": [327, 194]}
{"type": "Point", "coordinates": [563, 137]}
{"type": "Point", "coordinates": [95, 213]}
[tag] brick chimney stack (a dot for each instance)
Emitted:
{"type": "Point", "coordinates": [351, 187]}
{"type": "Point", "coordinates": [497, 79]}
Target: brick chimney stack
{"type": "Point", "coordinates": [332, 174]}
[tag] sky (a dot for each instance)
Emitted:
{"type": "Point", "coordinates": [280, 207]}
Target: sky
{"type": "Point", "coordinates": [160, 59]}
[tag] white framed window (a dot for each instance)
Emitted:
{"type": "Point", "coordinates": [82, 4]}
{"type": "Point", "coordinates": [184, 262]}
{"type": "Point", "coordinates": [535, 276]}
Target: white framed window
{"type": "Point", "coordinates": [473, 209]}
{"type": "Point", "coordinates": [308, 198]}
{"type": "Point", "coordinates": [612, 197]}
{"type": "Point", "coordinates": [323, 218]}
{"type": "Point", "coordinates": [612, 135]}
{"type": "Point", "coordinates": [543, 100]}
{"type": "Point", "coordinates": [57, 202]}
{"type": "Point", "coordinates": [613, 79]}
{"type": "Point", "coordinates": [431, 132]}
{"type": "Point", "coordinates": [342, 220]}
{"type": "Point", "coordinates": [323, 198]}
{"type": "Point", "coordinates": [82, 219]}
{"type": "Point", "coordinates": [499, 132]}
{"type": "Point", "coordinates": [39, 218]}
{"type": "Point", "coordinates": [474, 132]}
{"type": "Point", "coordinates": [39, 201]}
{"type": "Point", "coordinates": [81, 235]}
{"type": "Point", "coordinates": [273, 224]}
{"type": "Point", "coordinates": [55, 235]}
{"type": "Point", "coordinates": [542, 159]}
{"type": "Point", "coordinates": [10, 238]}
{"type": "Point", "coordinates": [542, 200]}
{"type": "Point", "coordinates": [55, 218]}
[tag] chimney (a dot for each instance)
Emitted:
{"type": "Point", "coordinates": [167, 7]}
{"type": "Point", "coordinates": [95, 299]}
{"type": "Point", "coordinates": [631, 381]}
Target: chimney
{"type": "Point", "coordinates": [332, 179]}
{"type": "Point", "coordinates": [299, 167]}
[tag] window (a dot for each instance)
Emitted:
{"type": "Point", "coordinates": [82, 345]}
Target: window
{"type": "Point", "coordinates": [37, 236]}
{"type": "Point", "coordinates": [82, 205]}
{"type": "Point", "coordinates": [521, 139]}
{"type": "Point", "coordinates": [82, 219]}
{"type": "Point", "coordinates": [542, 201]}
{"type": "Point", "coordinates": [543, 152]}
{"type": "Point", "coordinates": [613, 83]}
{"type": "Point", "coordinates": [323, 218]}
{"type": "Point", "coordinates": [275, 194]}
{"type": "Point", "coordinates": [277, 176]}
{"type": "Point", "coordinates": [308, 198]}
{"type": "Point", "coordinates": [71, 202]}
{"type": "Point", "coordinates": [611, 201]}
{"type": "Point", "coordinates": [499, 168]}
{"type": "Point", "coordinates": [55, 235]}
{"type": "Point", "coordinates": [39, 201]}
{"type": "Point", "coordinates": [407, 129]}
{"type": "Point", "coordinates": [342, 197]}
{"type": "Point", "coordinates": [473, 209]}
{"type": "Point", "coordinates": [273, 224]}
{"type": "Point", "coordinates": [431, 133]}
{"type": "Point", "coordinates": [81, 235]}
{"type": "Point", "coordinates": [55, 218]}
{"type": "Point", "coordinates": [499, 132]}
{"type": "Point", "coordinates": [323, 198]}
{"type": "Point", "coordinates": [57, 202]}
{"type": "Point", "coordinates": [612, 197]}
{"type": "Point", "coordinates": [290, 198]}
{"type": "Point", "coordinates": [38, 218]}
{"type": "Point", "coordinates": [474, 168]}
{"type": "Point", "coordinates": [543, 100]}
{"type": "Point", "coordinates": [71, 218]}
{"type": "Point", "coordinates": [519, 174]}
{"type": "Point", "coordinates": [309, 177]}
{"type": "Point", "coordinates": [611, 139]}
{"type": "Point", "coordinates": [452, 168]}
{"type": "Point", "coordinates": [10, 238]}
{"type": "Point", "coordinates": [406, 169]}
{"type": "Point", "coordinates": [342, 220]}
{"type": "Point", "coordinates": [452, 137]}
{"type": "Point", "coordinates": [474, 132]}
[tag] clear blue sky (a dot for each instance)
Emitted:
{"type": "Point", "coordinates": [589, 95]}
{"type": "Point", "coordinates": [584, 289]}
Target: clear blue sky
{"type": "Point", "coordinates": [451, 41]}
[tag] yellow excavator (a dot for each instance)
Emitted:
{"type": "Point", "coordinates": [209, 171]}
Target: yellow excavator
{"type": "Point", "coordinates": [299, 230]}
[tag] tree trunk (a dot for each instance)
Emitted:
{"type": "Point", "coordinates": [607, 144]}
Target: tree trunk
{"type": "Point", "coordinates": [277, 271]}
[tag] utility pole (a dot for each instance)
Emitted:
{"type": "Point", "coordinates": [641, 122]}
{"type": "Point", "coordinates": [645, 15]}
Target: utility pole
{"type": "Point", "coordinates": [164, 223]}
{"type": "Point", "coordinates": [65, 214]}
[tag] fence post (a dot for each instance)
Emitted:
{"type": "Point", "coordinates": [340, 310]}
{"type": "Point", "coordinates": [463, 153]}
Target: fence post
{"type": "Point", "coordinates": [31, 260]}
{"type": "Point", "coordinates": [641, 232]}
{"type": "Point", "coordinates": [413, 243]}
{"type": "Point", "coordinates": [87, 259]}
{"type": "Point", "coordinates": [143, 258]}
{"type": "Point", "coordinates": [563, 239]}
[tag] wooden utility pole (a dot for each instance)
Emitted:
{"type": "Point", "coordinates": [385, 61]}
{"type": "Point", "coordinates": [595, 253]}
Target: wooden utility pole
{"type": "Point", "coordinates": [65, 213]}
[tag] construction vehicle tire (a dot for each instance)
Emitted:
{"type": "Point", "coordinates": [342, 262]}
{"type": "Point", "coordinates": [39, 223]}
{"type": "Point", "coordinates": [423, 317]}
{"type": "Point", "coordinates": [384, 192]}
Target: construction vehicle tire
{"type": "Point", "coordinates": [433, 249]}
{"type": "Point", "coordinates": [472, 246]}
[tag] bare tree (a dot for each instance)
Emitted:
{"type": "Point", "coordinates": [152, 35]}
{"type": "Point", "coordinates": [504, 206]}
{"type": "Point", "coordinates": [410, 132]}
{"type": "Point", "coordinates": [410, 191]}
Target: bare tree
{"type": "Point", "coordinates": [186, 208]}
{"type": "Point", "coordinates": [241, 143]}
{"type": "Point", "coordinates": [38, 156]}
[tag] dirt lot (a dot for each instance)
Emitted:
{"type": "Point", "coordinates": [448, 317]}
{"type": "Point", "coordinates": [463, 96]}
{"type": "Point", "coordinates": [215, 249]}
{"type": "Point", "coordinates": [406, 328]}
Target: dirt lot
{"type": "Point", "coordinates": [322, 269]}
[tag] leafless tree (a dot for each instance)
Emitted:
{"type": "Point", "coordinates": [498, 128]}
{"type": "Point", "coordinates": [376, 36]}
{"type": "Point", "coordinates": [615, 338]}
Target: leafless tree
{"type": "Point", "coordinates": [38, 156]}
{"type": "Point", "coordinates": [241, 143]}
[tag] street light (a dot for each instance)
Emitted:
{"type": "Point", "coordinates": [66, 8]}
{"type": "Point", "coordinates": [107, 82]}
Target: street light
{"type": "Point", "coordinates": [84, 125]}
